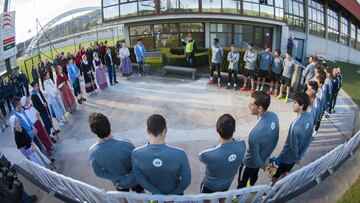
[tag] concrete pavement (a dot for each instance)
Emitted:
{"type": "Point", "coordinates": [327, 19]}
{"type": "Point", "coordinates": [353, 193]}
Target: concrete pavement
{"type": "Point", "coordinates": [191, 109]}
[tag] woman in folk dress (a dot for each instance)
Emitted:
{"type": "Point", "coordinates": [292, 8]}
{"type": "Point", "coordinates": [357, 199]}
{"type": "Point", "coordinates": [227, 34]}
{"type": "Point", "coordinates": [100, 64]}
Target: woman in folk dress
{"type": "Point", "coordinates": [62, 82]}
{"type": "Point", "coordinates": [99, 72]}
{"type": "Point", "coordinates": [126, 66]}
{"type": "Point", "coordinates": [88, 75]}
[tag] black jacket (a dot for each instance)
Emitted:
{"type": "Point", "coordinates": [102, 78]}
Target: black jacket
{"type": "Point", "coordinates": [39, 106]}
{"type": "Point", "coordinates": [108, 61]}
{"type": "Point", "coordinates": [22, 139]}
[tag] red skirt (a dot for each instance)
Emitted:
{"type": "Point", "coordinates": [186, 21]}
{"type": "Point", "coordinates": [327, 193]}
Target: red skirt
{"type": "Point", "coordinates": [68, 97]}
{"type": "Point", "coordinates": [43, 136]}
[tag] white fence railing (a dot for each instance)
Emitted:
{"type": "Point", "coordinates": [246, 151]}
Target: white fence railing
{"type": "Point", "coordinates": [285, 189]}
{"type": "Point", "coordinates": [313, 173]}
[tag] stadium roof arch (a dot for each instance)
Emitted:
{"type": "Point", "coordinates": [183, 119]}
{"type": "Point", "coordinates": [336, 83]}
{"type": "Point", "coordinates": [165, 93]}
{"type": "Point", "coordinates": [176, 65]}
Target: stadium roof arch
{"type": "Point", "coordinates": [55, 20]}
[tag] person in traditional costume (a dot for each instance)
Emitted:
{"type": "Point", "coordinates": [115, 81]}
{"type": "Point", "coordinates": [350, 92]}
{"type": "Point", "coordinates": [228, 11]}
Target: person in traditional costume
{"type": "Point", "coordinates": [62, 82]}
{"type": "Point", "coordinates": [73, 73]}
{"type": "Point", "coordinates": [26, 146]}
{"type": "Point", "coordinates": [35, 119]}
{"type": "Point", "coordinates": [26, 123]}
{"type": "Point", "coordinates": [41, 106]}
{"type": "Point", "coordinates": [99, 72]}
{"type": "Point", "coordinates": [56, 105]}
{"type": "Point", "coordinates": [126, 66]}
{"type": "Point", "coordinates": [88, 75]}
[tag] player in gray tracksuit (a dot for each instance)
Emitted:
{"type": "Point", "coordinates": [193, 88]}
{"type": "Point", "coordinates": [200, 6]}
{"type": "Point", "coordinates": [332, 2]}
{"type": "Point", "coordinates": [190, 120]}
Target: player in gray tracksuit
{"type": "Point", "coordinates": [233, 59]}
{"type": "Point", "coordinates": [217, 54]}
{"type": "Point", "coordinates": [265, 58]}
{"type": "Point", "coordinates": [111, 158]}
{"type": "Point", "coordinates": [299, 136]}
{"type": "Point", "coordinates": [250, 60]}
{"type": "Point", "coordinates": [289, 68]}
{"type": "Point", "coordinates": [262, 139]}
{"type": "Point", "coordinates": [158, 167]}
{"type": "Point", "coordinates": [276, 70]}
{"type": "Point", "coordinates": [223, 161]}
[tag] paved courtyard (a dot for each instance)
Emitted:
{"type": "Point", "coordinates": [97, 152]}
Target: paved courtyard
{"type": "Point", "coordinates": [191, 109]}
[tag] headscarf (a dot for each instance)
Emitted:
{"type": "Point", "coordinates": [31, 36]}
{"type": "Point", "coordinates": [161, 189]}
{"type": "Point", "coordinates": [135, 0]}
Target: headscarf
{"type": "Point", "coordinates": [23, 101]}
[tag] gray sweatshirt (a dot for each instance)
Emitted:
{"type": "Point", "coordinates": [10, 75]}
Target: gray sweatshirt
{"type": "Point", "coordinates": [265, 60]}
{"type": "Point", "coordinates": [111, 160]}
{"type": "Point", "coordinates": [161, 169]}
{"type": "Point", "coordinates": [250, 59]}
{"type": "Point", "coordinates": [233, 58]}
{"type": "Point", "coordinates": [289, 68]}
{"type": "Point", "coordinates": [262, 140]}
{"type": "Point", "coordinates": [277, 65]}
{"type": "Point", "coordinates": [222, 164]}
{"type": "Point", "coordinates": [298, 139]}
{"type": "Point", "coordinates": [309, 73]}
{"type": "Point", "coordinates": [217, 53]}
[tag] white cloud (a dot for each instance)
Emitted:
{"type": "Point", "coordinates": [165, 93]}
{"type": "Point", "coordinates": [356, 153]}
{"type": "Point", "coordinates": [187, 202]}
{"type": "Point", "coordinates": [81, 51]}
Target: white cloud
{"type": "Point", "coordinates": [28, 10]}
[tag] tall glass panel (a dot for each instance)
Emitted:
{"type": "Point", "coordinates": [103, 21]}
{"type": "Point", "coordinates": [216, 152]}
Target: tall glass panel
{"type": "Point", "coordinates": [111, 13]}
{"type": "Point", "coordinates": [169, 6]}
{"type": "Point", "coordinates": [128, 9]}
{"type": "Point", "coordinates": [250, 9]}
{"type": "Point", "coordinates": [211, 6]}
{"type": "Point", "coordinates": [147, 7]}
{"type": "Point", "coordinates": [231, 6]}
{"type": "Point", "coordinates": [188, 6]}
{"type": "Point", "coordinates": [267, 11]}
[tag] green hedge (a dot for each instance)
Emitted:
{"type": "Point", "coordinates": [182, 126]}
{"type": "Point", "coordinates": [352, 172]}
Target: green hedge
{"type": "Point", "coordinates": [176, 57]}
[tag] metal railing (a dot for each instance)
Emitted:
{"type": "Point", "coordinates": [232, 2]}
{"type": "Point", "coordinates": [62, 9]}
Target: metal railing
{"type": "Point", "coordinates": [284, 190]}
{"type": "Point", "coordinates": [314, 173]}
{"type": "Point", "coordinates": [78, 191]}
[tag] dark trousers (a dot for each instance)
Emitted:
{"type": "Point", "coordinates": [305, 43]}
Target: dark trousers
{"type": "Point", "coordinates": [137, 189]}
{"type": "Point", "coordinates": [114, 73]}
{"type": "Point", "coordinates": [190, 61]}
{"type": "Point", "coordinates": [141, 67]}
{"type": "Point", "coordinates": [111, 73]}
{"type": "Point", "coordinates": [233, 72]}
{"type": "Point", "coordinates": [8, 103]}
{"type": "Point", "coordinates": [246, 174]}
{"type": "Point", "coordinates": [2, 107]}
{"type": "Point", "coordinates": [215, 66]}
{"type": "Point", "coordinates": [47, 122]}
{"type": "Point", "coordinates": [317, 125]}
{"type": "Point", "coordinates": [333, 102]}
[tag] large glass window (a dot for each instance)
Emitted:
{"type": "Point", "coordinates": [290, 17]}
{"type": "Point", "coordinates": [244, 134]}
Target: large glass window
{"type": "Point", "coordinates": [157, 36]}
{"type": "Point", "coordinates": [353, 36]}
{"type": "Point", "coordinates": [231, 6]}
{"type": "Point", "coordinates": [147, 7]}
{"type": "Point", "coordinates": [128, 9]}
{"type": "Point", "coordinates": [179, 6]}
{"type": "Point", "coordinates": [250, 8]}
{"type": "Point", "coordinates": [316, 19]}
{"type": "Point", "coordinates": [333, 25]}
{"type": "Point", "coordinates": [211, 6]}
{"type": "Point", "coordinates": [111, 13]}
{"type": "Point", "coordinates": [294, 14]}
{"type": "Point", "coordinates": [344, 31]}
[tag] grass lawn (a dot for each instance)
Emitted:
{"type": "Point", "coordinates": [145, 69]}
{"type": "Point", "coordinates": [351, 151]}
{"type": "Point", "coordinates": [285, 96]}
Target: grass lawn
{"type": "Point", "coordinates": [351, 79]}
{"type": "Point", "coordinates": [352, 194]}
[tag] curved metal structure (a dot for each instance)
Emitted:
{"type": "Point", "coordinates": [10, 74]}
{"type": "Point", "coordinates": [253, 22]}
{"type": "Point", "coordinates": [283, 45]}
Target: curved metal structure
{"type": "Point", "coordinates": [55, 20]}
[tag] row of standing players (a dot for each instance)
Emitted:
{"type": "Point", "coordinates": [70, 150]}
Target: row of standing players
{"type": "Point", "coordinates": [163, 169]}
{"type": "Point", "coordinates": [282, 71]}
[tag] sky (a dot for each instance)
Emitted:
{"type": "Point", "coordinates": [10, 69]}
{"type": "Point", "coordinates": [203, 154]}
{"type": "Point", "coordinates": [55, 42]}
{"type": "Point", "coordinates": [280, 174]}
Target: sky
{"type": "Point", "coordinates": [26, 12]}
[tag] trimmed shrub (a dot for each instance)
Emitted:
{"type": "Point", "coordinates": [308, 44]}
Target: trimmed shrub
{"type": "Point", "coordinates": [176, 57]}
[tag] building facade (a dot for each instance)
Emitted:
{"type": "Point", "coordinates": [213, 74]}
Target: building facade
{"type": "Point", "coordinates": [327, 28]}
